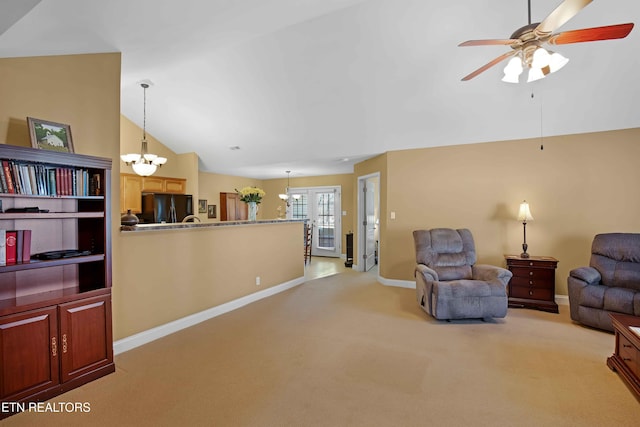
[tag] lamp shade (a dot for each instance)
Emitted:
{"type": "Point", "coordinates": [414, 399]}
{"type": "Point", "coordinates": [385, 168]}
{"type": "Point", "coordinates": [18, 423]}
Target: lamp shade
{"type": "Point", "coordinates": [535, 74]}
{"type": "Point", "coordinates": [524, 214]}
{"type": "Point", "coordinates": [557, 61]}
{"type": "Point", "coordinates": [144, 168]}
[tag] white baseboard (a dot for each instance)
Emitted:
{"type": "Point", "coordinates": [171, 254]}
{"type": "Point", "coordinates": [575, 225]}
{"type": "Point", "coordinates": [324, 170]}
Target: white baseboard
{"type": "Point", "coordinates": [153, 334]}
{"type": "Point", "coordinates": [397, 283]}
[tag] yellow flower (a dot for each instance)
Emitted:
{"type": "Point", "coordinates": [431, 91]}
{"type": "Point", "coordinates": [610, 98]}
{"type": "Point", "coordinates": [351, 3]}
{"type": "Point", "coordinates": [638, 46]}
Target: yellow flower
{"type": "Point", "coordinates": [251, 194]}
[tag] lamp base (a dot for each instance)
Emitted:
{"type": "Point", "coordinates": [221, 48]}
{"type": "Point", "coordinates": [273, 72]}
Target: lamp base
{"type": "Point", "coordinates": [524, 253]}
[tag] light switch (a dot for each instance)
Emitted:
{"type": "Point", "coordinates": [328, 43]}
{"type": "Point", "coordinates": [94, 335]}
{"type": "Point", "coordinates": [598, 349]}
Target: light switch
{"type": "Point", "coordinates": [344, 213]}
{"type": "Point", "coordinates": [393, 215]}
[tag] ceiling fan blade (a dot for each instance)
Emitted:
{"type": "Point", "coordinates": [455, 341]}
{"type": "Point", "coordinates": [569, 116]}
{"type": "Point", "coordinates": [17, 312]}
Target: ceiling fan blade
{"type": "Point", "coordinates": [556, 19]}
{"type": "Point", "coordinates": [608, 32]}
{"type": "Point", "coordinates": [490, 42]}
{"type": "Point", "coordinates": [489, 65]}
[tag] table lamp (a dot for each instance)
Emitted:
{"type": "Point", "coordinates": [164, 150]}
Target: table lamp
{"type": "Point", "coordinates": [524, 215]}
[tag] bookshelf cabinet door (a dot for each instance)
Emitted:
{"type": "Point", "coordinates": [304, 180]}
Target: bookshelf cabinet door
{"type": "Point", "coordinates": [29, 351]}
{"type": "Point", "coordinates": [85, 336]}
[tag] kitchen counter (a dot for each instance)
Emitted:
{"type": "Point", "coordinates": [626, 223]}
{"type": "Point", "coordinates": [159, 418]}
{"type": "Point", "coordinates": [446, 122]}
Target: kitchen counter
{"type": "Point", "coordinates": [190, 225]}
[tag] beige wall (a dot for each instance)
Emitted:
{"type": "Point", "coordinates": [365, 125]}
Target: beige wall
{"type": "Point", "coordinates": [578, 186]}
{"type": "Point", "coordinates": [63, 89]}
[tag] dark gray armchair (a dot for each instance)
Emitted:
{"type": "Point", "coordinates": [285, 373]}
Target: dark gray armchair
{"type": "Point", "coordinates": [449, 284]}
{"type": "Point", "coordinates": [611, 283]}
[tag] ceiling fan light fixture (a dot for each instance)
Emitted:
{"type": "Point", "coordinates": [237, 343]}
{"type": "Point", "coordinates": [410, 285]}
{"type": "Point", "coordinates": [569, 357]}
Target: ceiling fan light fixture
{"type": "Point", "coordinates": [513, 70]}
{"type": "Point", "coordinates": [535, 74]}
{"type": "Point", "coordinates": [541, 58]}
{"type": "Point", "coordinates": [557, 61]}
{"type": "Point", "coordinates": [511, 78]}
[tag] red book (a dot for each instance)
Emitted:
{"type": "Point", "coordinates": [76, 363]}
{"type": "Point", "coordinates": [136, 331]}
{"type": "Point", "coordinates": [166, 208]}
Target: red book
{"type": "Point", "coordinates": [12, 245]}
{"type": "Point", "coordinates": [58, 182]}
{"type": "Point", "coordinates": [26, 246]}
{"type": "Point", "coordinates": [7, 174]}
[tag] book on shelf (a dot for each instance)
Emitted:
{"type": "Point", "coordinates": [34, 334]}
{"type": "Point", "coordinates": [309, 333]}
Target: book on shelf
{"type": "Point", "coordinates": [18, 177]}
{"type": "Point", "coordinates": [15, 246]}
{"type": "Point", "coordinates": [11, 249]}
{"type": "Point", "coordinates": [8, 176]}
{"type": "Point", "coordinates": [3, 247]}
{"type": "Point", "coordinates": [26, 246]}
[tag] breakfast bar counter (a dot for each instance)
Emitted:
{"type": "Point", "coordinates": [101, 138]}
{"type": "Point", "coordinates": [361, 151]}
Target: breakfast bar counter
{"type": "Point", "coordinates": [167, 273]}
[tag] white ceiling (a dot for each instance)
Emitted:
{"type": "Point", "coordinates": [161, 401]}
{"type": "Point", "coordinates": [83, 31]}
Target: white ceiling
{"type": "Point", "coordinates": [302, 85]}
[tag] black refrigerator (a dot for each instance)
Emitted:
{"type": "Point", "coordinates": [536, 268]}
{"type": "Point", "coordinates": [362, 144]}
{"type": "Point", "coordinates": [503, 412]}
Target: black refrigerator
{"type": "Point", "coordinates": [165, 207]}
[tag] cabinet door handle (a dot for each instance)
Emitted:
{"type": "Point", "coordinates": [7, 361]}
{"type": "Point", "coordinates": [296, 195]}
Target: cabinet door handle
{"type": "Point", "coordinates": [627, 359]}
{"type": "Point", "coordinates": [626, 345]}
{"type": "Point", "coordinates": [54, 347]}
{"type": "Point", "coordinates": [64, 343]}
{"type": "Point", "coordinates": [531, 273]}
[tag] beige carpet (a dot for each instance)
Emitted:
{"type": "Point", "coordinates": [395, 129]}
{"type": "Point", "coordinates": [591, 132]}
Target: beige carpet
{"type": "Point", "coordinates": [346, 351]}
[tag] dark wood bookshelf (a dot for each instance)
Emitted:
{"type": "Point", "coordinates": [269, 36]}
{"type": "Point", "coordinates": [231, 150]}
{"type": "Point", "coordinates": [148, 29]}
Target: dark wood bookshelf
{"type": "Point", "coordinates": [55, 314]}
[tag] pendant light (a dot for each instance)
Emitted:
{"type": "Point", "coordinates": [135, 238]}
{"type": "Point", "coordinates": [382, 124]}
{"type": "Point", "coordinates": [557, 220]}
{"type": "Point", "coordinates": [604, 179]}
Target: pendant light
{"type": "Point", "coordinates": [285, 196]}
{"type": "Point", "coordinates": [144, 164]}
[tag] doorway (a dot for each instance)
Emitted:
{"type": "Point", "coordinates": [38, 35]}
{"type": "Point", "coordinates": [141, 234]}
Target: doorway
{"type": "Point", "coordinates": [368, 221]}
{"type": "Point", "coordinates": [321, 206]}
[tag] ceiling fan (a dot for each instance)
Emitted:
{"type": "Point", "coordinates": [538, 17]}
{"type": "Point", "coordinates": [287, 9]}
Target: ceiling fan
{"type": "Point", "coordinates": [526, 43]}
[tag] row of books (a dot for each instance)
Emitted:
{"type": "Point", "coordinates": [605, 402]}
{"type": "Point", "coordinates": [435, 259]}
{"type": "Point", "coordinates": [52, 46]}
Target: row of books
{"type": "Point", "coordinates": [46, 180]}
{"type": "Point", "coordinates": [15, 246]}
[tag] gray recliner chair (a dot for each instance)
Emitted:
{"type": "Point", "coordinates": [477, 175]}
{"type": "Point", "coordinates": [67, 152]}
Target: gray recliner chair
{"type": "Point", "coordinates": [611, 283]}
{"type": "Point", "coordinates": [449, 284]}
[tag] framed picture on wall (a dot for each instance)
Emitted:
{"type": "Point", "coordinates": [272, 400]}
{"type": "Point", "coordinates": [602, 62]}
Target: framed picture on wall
{"type": "Point", "coordinates": [211, 212]}
{"type": "Point", "coordinates": [202, 206]}
{"type": "Point", "coordinates": [51, 136]}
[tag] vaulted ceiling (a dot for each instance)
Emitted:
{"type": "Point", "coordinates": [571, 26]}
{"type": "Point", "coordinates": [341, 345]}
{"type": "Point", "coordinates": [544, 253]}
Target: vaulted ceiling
{"type": "Point", "coordinates": [314, 86]}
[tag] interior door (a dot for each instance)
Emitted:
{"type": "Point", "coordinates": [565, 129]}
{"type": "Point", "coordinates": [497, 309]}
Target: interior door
{"type": "Point", "coordinates": [369, 224]}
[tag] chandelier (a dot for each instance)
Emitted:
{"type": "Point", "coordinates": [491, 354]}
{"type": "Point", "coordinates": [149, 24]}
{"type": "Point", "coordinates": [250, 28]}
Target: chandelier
{"type": "Point", "coordinates": [144, 163]}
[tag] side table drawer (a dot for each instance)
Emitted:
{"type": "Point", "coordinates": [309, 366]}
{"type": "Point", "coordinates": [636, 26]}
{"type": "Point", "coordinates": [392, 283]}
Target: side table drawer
{"type": "Point", "coordinates": [531, 283]}
{"type": "Point", "coordinates": [629, 354]}
{"type": "Point", "coordinates": [527, 263]}
{"type": "Point", "coordinates": [530, 293]}
{"type": "Point", "coordinates": [534, 273]}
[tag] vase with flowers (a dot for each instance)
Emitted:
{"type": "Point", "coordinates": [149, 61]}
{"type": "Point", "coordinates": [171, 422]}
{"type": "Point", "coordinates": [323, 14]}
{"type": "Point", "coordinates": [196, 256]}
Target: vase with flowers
{"type": "Point", "coordinates": [252, 196]}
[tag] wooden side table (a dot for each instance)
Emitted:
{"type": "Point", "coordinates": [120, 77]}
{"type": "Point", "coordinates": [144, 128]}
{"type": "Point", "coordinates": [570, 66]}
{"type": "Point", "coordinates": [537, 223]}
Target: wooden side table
{"type": "Point", "coordinates": [625, 359]}
{"type": "Point", "coordinates": [533, 284]}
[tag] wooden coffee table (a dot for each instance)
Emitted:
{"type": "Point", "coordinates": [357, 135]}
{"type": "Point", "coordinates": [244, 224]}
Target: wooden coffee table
{"type": "Point", "coordinates": [625, 359]}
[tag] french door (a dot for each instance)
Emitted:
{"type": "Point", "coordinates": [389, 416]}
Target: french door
{"type": "Point", "coordinates": [321, 207]}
